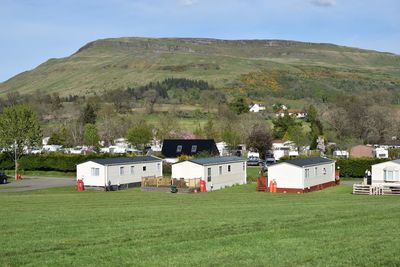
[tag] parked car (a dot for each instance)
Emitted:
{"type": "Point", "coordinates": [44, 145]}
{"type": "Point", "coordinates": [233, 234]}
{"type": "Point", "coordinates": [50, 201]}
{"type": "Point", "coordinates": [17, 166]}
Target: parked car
{"type": "Point", "coordinates": [253, 161]}
{"type": "Point", "coordinates": [3, 178]}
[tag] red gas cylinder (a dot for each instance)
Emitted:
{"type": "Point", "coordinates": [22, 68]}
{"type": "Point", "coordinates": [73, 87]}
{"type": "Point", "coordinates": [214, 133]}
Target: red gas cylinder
{"type": "Point", "coordinates": [203, 186]}
{"type": "Point", "coordinates": [271, 186]}
{"type": "Point", "coordinates": [79, 185]}
{"type": "Point", "coordinates": [275, 186]}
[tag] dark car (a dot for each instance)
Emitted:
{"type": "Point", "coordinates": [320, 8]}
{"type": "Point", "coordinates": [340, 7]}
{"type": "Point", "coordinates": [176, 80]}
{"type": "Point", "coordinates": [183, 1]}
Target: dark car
{"type": "Point", "coordinates": [253, 161]}
{"type": "Point", "coordinates": [3, 178]}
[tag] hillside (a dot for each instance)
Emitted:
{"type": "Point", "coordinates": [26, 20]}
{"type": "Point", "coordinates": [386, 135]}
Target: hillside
{"type": "Point", "coordinates": [259, 67]}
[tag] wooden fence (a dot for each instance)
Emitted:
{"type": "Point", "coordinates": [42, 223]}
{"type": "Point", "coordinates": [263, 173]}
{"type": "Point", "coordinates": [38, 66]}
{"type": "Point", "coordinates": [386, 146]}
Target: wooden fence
{"type": "Point", "coordinates": [153, 181]}
{"type": "Point", "coordinates": [363, 189]}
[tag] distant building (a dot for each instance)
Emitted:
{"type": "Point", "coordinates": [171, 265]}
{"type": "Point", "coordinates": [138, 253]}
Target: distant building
{"type": "Point", "coordinates": [341, 154]}
{"type": "Point", "coordinates": [126, 171]}
{"type": "Point", "coordinates": [297, 113]}
{"type": "Point", "coordinates": [381, 153]}
{"type": "Point", "coordinates": [282, 148]}
{"type": "Point", "coordinates": [256, 108]}
{"type": "Point", "coordinates": [361, 151]}
{"type": "Point", "coordinates": [217, 172]}
{"type": "Point", "coordinates": [173, 148]}
{"type": "Point", "coordinates": [302, 175]}
{"type": "Point", "coordinates": [386, 173]}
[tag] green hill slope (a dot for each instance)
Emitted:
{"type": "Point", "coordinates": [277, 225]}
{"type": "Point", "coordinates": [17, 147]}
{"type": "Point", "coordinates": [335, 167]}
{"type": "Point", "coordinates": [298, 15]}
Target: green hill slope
{"type": "Point", "coordinates": [283, 68]}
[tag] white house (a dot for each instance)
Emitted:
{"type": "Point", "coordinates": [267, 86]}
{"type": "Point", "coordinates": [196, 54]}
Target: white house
{"type": "Point", "coordinates": [302, 175]}
{"type": "Point", "coordinates": [256, 108]}
{"type": "Point", "coordinates": [341, 154]}
{"type": "Point", "coordinates": [282, 148]}
{"type": "Point", "coordinates": [381, 153]}
{"type": "Point", "coordinates": [297, 113]}
{"type": "Point", "coordinates": [386, 173]}
{"type": "Point", "coordinates": [217, 172]}
{"type": "Point", "coordinates": [118, 171]}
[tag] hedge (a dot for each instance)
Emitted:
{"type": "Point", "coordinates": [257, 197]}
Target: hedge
{"type": "Point", "coordinates": [50, 162]}
{"type": "Point", "coordinates": [355, 167]}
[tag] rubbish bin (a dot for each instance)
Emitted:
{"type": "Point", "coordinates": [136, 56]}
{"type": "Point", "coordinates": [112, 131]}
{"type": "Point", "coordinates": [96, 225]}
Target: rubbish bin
{"type": "Point", "coordinates": [174, 189]}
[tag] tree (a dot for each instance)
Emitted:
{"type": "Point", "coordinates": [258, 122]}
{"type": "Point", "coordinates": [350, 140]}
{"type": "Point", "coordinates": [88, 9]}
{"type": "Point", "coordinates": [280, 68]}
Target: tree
{"type": "Point", "coordinates": [260, 138]}
{"type": "Point", "coordinates": [231, 137]}
{"type": "Point", "coordinates": [297, 134]}
{"type": "Point", "coordinates": [19, 127]}
{"type": "Point", "coordinates": [168, 127]}
{"type": "Point", "coordinates": [88, 114]}
{"type": "Point", "coordinates": [282, 124]}
{"type": "Point", "coordinates": [91, 135]}
{"type": "Point", "coordinates": [239, 106]}
{"type": "Point", "coordinates": [140, 135]}
{"type": "Point", "coordinates": [151, 97]}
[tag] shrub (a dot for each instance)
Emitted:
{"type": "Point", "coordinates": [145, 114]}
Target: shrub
{"type": "Point", "coordinates": [355, 167]}
{"type": "Point", "coordinates": [50, 162]}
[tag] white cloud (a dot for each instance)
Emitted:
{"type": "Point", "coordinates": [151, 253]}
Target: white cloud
{"type": "Point", "coordinates": [188, 2]}
{"type": "Point", "coordinates": [323, 3]}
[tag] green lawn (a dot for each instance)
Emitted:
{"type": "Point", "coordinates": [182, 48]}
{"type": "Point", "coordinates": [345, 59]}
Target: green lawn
{"type": "Point", "coordinates": [231, 227]}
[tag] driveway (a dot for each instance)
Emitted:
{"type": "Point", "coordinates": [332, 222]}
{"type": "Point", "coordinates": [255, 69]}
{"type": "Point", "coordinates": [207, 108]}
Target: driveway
{"type": "Point", "coordinates": [33, 183]}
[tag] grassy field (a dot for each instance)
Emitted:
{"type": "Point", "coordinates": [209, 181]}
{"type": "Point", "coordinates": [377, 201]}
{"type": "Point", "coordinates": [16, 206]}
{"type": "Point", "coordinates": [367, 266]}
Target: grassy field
{"type": "Point", "coordinates": [231, 227]}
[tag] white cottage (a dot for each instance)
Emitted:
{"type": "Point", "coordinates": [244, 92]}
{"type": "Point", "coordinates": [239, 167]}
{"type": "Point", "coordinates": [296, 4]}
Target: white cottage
{"type": "Point", "coordinates": [302, 175]}
{"type": "Point", "coordinates": [127, 171]}
{"type": "Point", "coordinates": [386, 173]}
{"type": "Point", "coordinates": [218, 172]}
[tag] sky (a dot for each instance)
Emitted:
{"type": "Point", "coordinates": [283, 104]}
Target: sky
{"type": "Point", "coordinates": [33, 31]}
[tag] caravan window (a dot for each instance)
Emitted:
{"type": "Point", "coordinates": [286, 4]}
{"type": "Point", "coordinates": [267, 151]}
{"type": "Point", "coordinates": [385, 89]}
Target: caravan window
{"type": "Point", "coordinates": [95, 171]}
{"type": "Point", "coordinates": [132, 169]}
{"type": "Point", "coordinates": [178, 149]}
{"type": "Point", "coordinates": [307, 173]}
{"type": "Point", "coordinates": [194, 149]}
{"type": "Point", "coordinates": [121, 170]}
{"type": "Point", "coordinates": [220, 170]}
{"type": "Point", "coordinates": [208, 174]}
{"type": "Point", "coordinates": [391, 175]}
{"type": "Point", "coordinates": [229, 168]}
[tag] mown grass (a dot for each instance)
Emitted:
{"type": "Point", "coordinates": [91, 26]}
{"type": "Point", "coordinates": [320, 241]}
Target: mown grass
{"type": "Point", "coordinates": [231, 227]}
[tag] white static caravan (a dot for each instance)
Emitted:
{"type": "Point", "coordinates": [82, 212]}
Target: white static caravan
{"type": "Point", "coordinates": [386, 173]}
{"type": "Point", "coordinates": [218, 172]}
{"type": "Point", "coordinates": [118, 171]}
{"type": "Point", "coordinates": [302, 175]}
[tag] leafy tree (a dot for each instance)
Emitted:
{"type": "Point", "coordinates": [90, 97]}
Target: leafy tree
{"type": "Point", "coordinates": [260, 138]}
{"type": "Point", "coordinates": [91, 135]}
{"type": "Point", "coordinates": [88, 114]}
{"type": "Point", "coordinates": [282, 124]}
{"type": "Point", "coordinates": [297, 134]}
{"type": "Point", "coordinates": [239, 105]}
{"type": "Point", "coordinates": [231, 137]}
{"type": "Point", "coordinates": [19, 127]}
{"type": "Point", "coordinates": [140, 135]}
{"type": "Point", "coordinates": [209, 130]}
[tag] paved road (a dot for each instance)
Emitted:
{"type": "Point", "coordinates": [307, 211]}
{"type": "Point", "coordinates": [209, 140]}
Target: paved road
{"type": "Point", "coordinates": [33, 183]}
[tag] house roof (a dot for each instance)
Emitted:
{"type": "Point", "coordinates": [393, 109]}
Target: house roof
{"type": "Point", "coordinates": [125, 160]}
{"type": "Point", "coordinates": [216, 160]}
{"type": "Point", "coordinates": [309, 161]}
{"type": "Point", "coordinates": [170, 147]}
